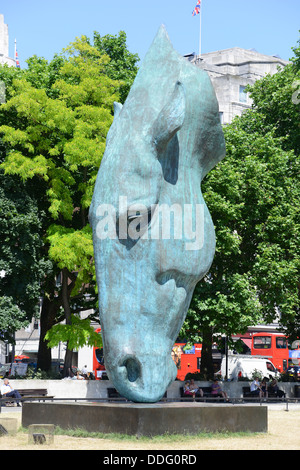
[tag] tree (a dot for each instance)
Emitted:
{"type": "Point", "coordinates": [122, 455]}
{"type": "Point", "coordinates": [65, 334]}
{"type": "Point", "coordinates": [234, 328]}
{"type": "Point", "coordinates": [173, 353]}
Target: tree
{"type": "Point", "coordinates": [56, 123]}
{"type": "Point", "coordinates": [22, 262]}
{"type": "Point", "coordinates": [123, 64]}
{"type": "Point", "coordinates": [276, 106]}
{"type": "Point", "coordinates": [253, 197]}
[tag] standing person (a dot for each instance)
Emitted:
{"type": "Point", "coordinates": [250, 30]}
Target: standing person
{"type": "Point", "coordinates": [8, 391]}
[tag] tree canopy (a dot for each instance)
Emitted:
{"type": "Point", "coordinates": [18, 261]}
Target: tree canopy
{"type": "Point", "coordinates": [54, 126]}
{"type": "Point", "coordinates": [253, 196]}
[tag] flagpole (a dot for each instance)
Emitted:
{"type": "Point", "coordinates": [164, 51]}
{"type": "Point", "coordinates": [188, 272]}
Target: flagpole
{"type": "Point", "coordinates": [200, 45]}
{"type": "Point", "coordinates": [198, 11]}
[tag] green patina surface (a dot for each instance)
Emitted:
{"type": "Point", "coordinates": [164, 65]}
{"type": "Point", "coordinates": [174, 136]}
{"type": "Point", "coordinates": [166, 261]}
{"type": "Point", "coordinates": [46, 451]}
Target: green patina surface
{"type": "Point", "coordinates": [149, 258]}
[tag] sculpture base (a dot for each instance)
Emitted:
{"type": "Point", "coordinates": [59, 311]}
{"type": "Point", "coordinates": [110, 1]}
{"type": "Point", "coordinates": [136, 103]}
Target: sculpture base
{"type": "Point", "coordinates": [148, 419]}
{"type": "Point", "coordinates": [8, 425]}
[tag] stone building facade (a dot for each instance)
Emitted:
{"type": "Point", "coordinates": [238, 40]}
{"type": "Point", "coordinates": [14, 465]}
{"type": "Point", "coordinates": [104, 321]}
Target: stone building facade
{"type": "Point", "coordinates": [231, 70]}
{"type": "Point", "coordinates": [4, 44]}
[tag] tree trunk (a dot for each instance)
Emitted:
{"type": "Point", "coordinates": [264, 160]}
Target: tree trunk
{"type": "Point", "coordinates": [67, 372]}
{"type": "Point", "coordinates": [49, 311]}
{"type": "Point", "coordinates": [207, 367]}
{"type": "Point", "coordinates": [66, 290]}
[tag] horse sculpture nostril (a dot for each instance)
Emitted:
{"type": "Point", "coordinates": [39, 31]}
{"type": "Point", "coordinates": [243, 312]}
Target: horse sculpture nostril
{"type": "Point", "coordinates": [133, 369]}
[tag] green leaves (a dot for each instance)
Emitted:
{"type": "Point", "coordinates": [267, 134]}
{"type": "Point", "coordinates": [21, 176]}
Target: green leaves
{"type": "Point", "coordinates": [61, 139]}
{"type": "Point", "coordinates": [123, 64]}
{"type": "Point", "coordinates": [253, 196]}
{"type": "Point", "coordinates": [21, 255]}
{"type": "Point", "coordinates": [78, 334]}
{"type": "Point", "coordinates": [73, 249]}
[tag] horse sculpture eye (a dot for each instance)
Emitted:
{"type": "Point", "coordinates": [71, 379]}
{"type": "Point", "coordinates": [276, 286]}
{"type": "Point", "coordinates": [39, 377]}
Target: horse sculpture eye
{"type": "Point", "coordinates": [143, 218]}
{"type": "Point", "coordinates": [132, 224]}
{"type": "Point", "coordinates": [138, 223]}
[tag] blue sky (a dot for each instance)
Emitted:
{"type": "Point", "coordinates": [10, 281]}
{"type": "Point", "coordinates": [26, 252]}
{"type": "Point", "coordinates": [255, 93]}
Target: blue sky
{"type": "Point", "coordinates": [45, 27]}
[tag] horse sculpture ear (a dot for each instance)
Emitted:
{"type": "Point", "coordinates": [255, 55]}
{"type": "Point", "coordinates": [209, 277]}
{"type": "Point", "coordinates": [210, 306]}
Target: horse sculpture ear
{"type": "Point", "coordinates": [117, 109]}
{"type": "Point", "coordinates": [170, 119]}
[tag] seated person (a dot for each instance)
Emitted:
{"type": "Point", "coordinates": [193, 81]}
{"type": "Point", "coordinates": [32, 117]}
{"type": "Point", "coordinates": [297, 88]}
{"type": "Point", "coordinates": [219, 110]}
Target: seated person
{"type": "Point", "coordinates": [255, 388]}
{"type": "Point", "coordinates": [264, 387]}
{"type": "Point", "coordinates": [274, 389]}
{"type": "Point", "coordinates": [217, 391]}
{"type": "Point", "coordinates": [8, 391]}
{"type": "Point", "coordinates": [187, 390]}
{"type": "Point", "coordinates": [193, 388]}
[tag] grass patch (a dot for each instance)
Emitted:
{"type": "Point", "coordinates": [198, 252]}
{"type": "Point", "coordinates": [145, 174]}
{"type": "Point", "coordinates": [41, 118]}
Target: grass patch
{"type": "Point", "coordinates": [163, 439]}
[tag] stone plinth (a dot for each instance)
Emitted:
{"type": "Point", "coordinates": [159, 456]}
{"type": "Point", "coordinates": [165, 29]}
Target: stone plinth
{"type": "Point", "coordinates": [148, 419]}
{"type": "Point", "coordinates": [41, 433]}
{"type": "Point", "coordinates": [9, 424]}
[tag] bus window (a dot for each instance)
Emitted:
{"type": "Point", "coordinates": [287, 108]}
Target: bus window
{"type": "Point", "coordinates": [99, 355]}
{"type": "Point", "coordinates": [281, 343]}
{"type": "Point", "coordinates": [262, 342]}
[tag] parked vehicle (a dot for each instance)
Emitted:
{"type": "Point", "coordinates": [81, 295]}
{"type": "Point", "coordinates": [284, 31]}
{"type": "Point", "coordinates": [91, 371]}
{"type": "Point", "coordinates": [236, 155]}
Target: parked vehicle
{"type": "Point", "coordinates": [242, 365]}
{"type": "Point", "coordinates": [294, 371]}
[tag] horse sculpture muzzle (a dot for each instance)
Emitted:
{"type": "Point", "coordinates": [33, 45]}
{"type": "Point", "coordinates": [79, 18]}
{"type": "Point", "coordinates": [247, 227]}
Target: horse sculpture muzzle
{"type": "Point", "coordinates": [153, 235]}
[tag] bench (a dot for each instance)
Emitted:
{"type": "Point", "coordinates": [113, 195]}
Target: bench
{"type": "Point", "coordinates": [247, 394]}
{"type": "Point", "coordinates": [28, 393]}
{"type": "Point", "coordinates": [33, 392]}
{"type": "Point", "coordinates": [206, 394]}
{"type": "Point", "coordinates": [112, 394]}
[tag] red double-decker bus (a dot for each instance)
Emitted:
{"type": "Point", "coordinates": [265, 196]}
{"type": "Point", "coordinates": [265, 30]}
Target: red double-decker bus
{"type": "Point", "coordinates": [98, 362]}
{"type": "Point", "coordinates": [273, 345]}
{"type": "Point", "coordinates": [186, 358]}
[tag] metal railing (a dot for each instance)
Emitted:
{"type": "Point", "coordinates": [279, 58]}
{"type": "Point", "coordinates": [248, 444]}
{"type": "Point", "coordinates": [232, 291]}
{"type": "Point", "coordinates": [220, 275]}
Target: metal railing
{"type": "Point", "coordinates": [208, 400]}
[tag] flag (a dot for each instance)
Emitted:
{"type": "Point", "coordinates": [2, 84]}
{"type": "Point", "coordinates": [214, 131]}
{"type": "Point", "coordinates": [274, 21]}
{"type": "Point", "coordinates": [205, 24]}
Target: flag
{"type": "Point", "coordinates": [196, 10]}
{"type": "Point", "coordinates": [17, 60]}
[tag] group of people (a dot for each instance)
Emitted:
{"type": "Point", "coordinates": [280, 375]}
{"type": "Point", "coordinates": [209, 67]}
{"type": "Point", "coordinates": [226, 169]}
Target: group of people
{"type": "Point", "coordinates": [257, 388]}
{"type": "Point", "coordinates": [262, 389]}
{"type": "Point", "coordinates": [84, 374]}
{"type": "Point", "coordinates": [191, 389]}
